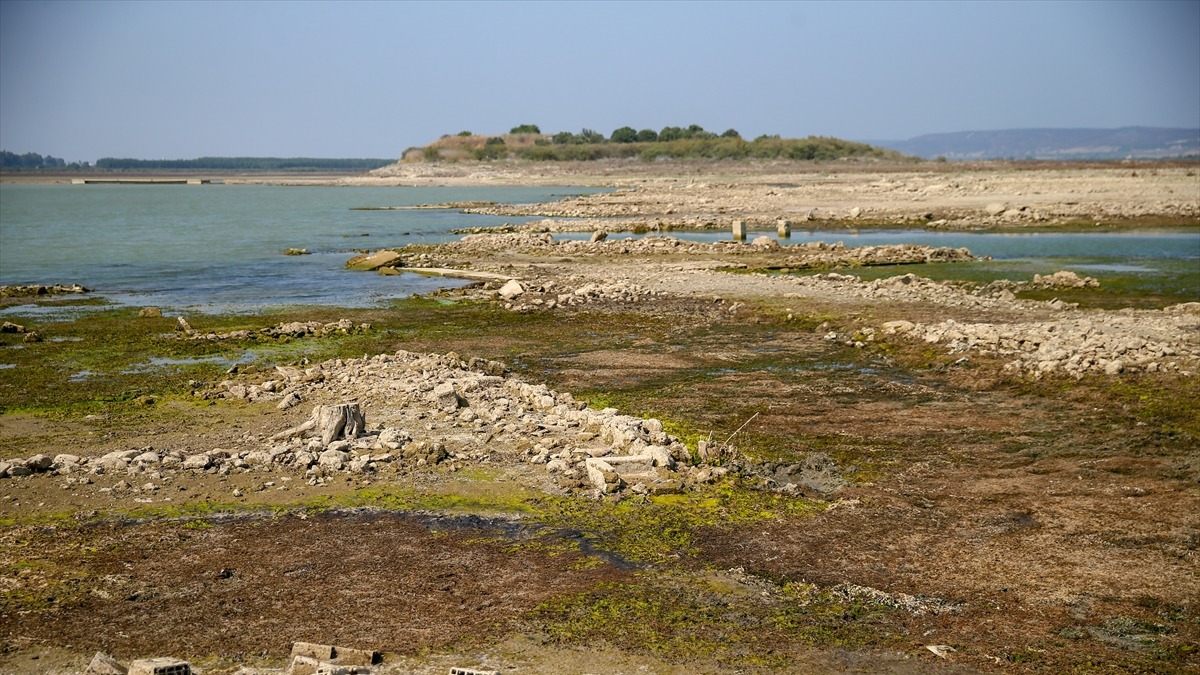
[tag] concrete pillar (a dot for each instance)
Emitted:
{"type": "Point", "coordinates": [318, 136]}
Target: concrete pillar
{"type": "Point", "coordinates": [784, 228]}
{"type": "Point", "coordinates": [739, 230]}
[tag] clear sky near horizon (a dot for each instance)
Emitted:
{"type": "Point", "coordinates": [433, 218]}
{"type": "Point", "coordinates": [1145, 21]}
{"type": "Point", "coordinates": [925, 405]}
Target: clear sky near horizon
{"type": "Point", "coordinates": [173, 80]}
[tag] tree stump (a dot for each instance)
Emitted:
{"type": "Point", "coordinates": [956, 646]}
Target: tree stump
{"type": "Point", "coordinates": [345, 420]}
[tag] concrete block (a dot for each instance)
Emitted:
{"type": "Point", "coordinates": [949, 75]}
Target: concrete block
{"type": "Point", "coordinates": [160, 666]}
{"type": "Point", "coordinates": [313, 650]}
{"type": "Point", "coordinates": [303, 665]}
{"type": "Point", "coordinates": [347, 656]}
{"type": "Point", "coordinates": [784, 228]}
{"type": "Point", "coordinates": [739, 230]}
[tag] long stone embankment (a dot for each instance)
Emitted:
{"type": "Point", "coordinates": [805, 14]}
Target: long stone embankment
{"type": "Point", "coordinates": [417, 410]}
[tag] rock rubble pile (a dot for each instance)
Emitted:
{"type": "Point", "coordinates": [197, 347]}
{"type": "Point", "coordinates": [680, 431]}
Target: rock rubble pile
{"type": "Point", "coordinates": [545, 295]}
{"type": "Point", "coordinates": [806, 255]}
{"type": "Point", "coordinates": [1114, 343]}
{"type": "Point", "coordinates": [39, 289]}
{"type": "Point", "coordinates": [293, 329]}
{"type": "Point", "coordinates": [418, 410]}
{"type": "Point", "coordinates": [913, 288]}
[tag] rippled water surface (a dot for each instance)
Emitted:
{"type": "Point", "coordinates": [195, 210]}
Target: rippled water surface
{"type": "Point", "coordinates": [220, 247]}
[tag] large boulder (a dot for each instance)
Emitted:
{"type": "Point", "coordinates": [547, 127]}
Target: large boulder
{"type": "Point", "coordinates": [374, 261]}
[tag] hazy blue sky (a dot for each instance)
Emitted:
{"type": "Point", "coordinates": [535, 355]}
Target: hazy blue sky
{"type": "Point", "coordinates": [83, 80]}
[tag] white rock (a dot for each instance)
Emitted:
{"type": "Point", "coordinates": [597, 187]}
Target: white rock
{"type": "Point", "coordinates": [511, 290]}
{"type": "Point", "coordinates": [197, 462]}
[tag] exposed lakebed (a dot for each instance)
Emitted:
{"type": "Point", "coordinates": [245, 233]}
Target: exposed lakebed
{"type": "Point", "coordinates": [218, 248]}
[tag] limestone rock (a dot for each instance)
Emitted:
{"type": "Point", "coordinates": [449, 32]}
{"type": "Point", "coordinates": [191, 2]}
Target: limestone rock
{"type": "Point", "coordinates": [511, 290]}
{"type": "Point", "coordinates": [289, 401]}
{"type": "Point", "coordinates": [64, 459]}
{"type": "Point", "coordinates": [160, 666]}
{"type": "Point", "coordinates": [39, 463]}
{"type": "Point", "coordinates": [372, 262]}
{"type": "Point", "coordinates": [446, 398]}
{"type": "Point", "coordinates": [200, 461]}
{"type": "Point", "coordinates": [103, 664]}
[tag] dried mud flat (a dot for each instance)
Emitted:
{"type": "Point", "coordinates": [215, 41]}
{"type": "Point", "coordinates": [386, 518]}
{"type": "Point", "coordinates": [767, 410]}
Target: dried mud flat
{"type": "Point", "coordinates": [896, 503]}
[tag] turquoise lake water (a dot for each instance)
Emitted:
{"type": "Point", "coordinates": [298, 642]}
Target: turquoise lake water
{"type": "Point", "coordinates": [219, 247]}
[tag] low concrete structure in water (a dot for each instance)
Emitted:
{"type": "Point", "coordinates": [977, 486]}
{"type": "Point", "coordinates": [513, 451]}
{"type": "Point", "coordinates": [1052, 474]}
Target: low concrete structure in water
{"type": "Point", "coordinates": [140, 181]}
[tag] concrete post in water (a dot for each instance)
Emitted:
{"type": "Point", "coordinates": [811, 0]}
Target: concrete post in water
{"type": "Point", "coordinates": [739, 230]}
{"type": "Point", "coordinates": [784, 228]}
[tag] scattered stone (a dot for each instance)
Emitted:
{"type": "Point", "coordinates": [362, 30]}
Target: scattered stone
{"type": "Point", "coordinates": [198, 462]}
{"type": "Point", "coordinates": [160, 666]}
{"type": "Point", "coordinates": [446, 398]}
{"type": "Point", "coordinates": [296, 251]}
{"type": "Point", "coordinates": [103, 664]}
{"type": "Point", "coordinates": [150, 313]}
{"type": "Point", "coordinates": [289, 401]}
{"type": "Point", "coordinates": [9, 327]}
{"type": "Point", "coordinates": [39, 463]}
{"type": "Point", "coordinates": [940, 651]}
{"type": "Point", "coordinates": [1064, 279]}
{"type": "Point", "coordinates": [598, 235]}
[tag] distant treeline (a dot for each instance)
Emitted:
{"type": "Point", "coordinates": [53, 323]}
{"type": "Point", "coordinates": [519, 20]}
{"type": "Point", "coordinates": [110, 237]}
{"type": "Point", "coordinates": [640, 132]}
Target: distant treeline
{"type": "Point", "coordinates": [765, 147]}
{"type": "Point", "coordinates": [32, 161]}
{"type": "Point", "coordinates": [243, 164]}
{"type": "Point", "coordinates": [693, 142]}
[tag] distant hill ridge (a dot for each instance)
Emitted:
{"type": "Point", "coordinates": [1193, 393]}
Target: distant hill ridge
{"type": "Point", "coordinates": [1065, 144]}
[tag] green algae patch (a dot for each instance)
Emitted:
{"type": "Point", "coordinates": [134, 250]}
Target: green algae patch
{"type": "Point", "coordinates": [458, 497]}
{"type": "Point", "coordinates": [732, 618]}
{"type": "Point", "coordinates": [662, 528]}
